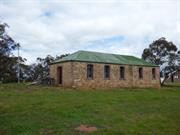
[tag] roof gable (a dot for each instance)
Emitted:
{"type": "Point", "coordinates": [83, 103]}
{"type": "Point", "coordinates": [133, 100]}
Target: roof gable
{"type": "Point", "coordinates": [87, 56]}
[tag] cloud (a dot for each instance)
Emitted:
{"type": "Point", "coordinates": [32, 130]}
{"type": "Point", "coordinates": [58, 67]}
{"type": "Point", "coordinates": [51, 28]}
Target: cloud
{"type": "Point", "coordinates": [57, 27]}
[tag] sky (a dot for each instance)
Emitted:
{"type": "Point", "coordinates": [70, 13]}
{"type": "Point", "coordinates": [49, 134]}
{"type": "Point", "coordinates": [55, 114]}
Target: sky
{"type": "Point", "coordinates": [55, 27]}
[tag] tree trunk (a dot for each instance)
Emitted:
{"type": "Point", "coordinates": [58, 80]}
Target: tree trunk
{"type": "Point", "coordinates": [168, 76]}
{"type": "Point", "coordinates": [172, 78]}
{"type": "Point", "coordinates": [163, 81]}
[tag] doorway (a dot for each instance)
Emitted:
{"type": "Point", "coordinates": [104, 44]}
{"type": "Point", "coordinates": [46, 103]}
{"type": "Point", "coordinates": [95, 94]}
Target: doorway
{"type": "Point", "coordinates": [59, 75]}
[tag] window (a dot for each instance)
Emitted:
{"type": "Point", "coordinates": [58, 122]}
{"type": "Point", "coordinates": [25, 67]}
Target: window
{"type": "Point", "coordinates": [90, 71]}
{"type": "Point", "coordinates": [153, 73]}
{"type": "Point", "coordinates": [122, 73]}
{"type": "Point", "coordinates": [140, 73]}
{"type": "Point", "coordinates": [106, 72]}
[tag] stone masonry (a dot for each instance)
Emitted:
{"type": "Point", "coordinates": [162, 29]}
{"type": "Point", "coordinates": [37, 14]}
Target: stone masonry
{"type": "Point", "coordinates": [74, 74]}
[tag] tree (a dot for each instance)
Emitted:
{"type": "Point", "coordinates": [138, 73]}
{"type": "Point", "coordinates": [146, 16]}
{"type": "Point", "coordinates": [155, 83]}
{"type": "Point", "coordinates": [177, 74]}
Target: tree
{"type": "Point", "coordinates": [40, 69]}
{"type": "Point", "coordinates": [23, 68]}
{"type": "Point", "coordinates": [7, 61]}
{"type": "Point", "coordinates": [43, 66]}
{"type": "Point", "coordinates": [61, 56]}
{"type": "Point", "coordinates": [163, 53]}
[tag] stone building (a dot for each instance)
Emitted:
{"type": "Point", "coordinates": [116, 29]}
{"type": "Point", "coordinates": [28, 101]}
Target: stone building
{"type": "Point", "coordinates": [102, 70]}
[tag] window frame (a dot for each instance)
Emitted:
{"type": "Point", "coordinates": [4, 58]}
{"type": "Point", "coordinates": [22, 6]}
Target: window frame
{"type": "Point", "coordinates": [154, 73]}
{"type": "Point", "coordinates": [90, 71]}
{"type": "Point", "coordinates": [140, 73]}
{"type": "Point", "coordinates": [123, 72]}
{"type": "Point", "coordinates": [109, 73]}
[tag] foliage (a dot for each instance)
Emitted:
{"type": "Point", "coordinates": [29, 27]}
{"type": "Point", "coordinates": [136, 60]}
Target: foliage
{"type": "Point", "coordinates": [61, 56]}
{"type": "Point", "coordinates": [40, 69]}
{"type": "Point", "coordinates": [163, 53]}
{"type": "Point", "coordinates": [8, 62]}
{"type": "Point", "coordinates": [7, 44]}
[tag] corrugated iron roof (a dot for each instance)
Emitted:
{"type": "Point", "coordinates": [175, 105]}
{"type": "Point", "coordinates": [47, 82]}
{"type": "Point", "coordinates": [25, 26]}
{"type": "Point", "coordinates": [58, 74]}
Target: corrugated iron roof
{"type": "Point", "coordinates": [87, 56]}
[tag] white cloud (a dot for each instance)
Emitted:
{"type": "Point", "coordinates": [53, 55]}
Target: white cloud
{"type": "Point", "coordinates": [56, 27]}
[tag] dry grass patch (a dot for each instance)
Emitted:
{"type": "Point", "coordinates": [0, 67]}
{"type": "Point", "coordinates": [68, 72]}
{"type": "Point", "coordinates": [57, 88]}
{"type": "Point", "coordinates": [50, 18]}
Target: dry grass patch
{"type": "Point", "coordinates": [86, 128]}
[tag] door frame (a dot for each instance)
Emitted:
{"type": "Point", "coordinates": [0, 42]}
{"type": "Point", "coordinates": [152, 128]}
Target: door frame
{"type": "Point", "coordinates": [59, 75]}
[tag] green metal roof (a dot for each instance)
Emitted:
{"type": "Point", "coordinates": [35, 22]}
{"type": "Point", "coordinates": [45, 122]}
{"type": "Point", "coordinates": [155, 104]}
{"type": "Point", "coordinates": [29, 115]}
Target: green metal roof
{"type": "Point", "coordinates": [87, 56]}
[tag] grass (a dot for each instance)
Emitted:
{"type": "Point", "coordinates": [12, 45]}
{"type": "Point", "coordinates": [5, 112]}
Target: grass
{"type": "Point", "coordinates": [37, 110]}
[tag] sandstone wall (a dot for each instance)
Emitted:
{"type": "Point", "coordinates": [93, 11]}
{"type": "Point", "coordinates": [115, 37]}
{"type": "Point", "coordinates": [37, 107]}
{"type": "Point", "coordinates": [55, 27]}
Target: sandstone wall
{"type": "Point", "coordinates": [75, 75]}
{"type": "Point", "coordinates": [98, 81]}
{"type": "Point", "coordinates": [147, 80]}
{"type": "Point", "coordinates": [67, 79]}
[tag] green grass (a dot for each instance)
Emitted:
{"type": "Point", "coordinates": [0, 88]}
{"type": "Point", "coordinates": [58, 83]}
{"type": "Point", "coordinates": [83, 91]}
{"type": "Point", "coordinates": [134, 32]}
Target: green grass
{"type": "Point", "coordinates": [34, 110]}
